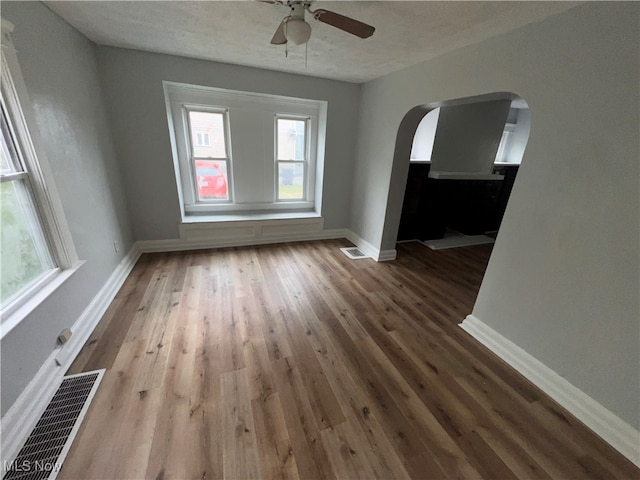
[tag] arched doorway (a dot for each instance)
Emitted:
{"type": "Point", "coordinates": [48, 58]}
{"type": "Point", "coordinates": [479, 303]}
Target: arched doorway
{"type": "Point", "coordinates": [475, 156]}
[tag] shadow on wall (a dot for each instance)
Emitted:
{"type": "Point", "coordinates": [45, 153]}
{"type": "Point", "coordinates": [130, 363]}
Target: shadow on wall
{"type": "Point", "coordinates": [459, 159]}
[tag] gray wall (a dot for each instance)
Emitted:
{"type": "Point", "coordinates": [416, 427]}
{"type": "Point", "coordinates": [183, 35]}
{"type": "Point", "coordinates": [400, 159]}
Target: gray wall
{"type": "Point", "coordinates": [468, 136]}
{"type": "Point", "coordinates": [563, 281]}
{"type": "Point", "coordinates": [61, 75]}
{"type": "Point", "coordinates": [132, 81]}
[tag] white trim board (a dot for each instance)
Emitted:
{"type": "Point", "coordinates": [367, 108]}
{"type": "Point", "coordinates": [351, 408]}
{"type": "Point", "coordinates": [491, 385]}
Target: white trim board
{"type": "Point", "coordinates": [617, 433]}
{"type": "Point", "coordinates": [195, 236]}
{"type": "Point", "coordinates": [175, 245]}
{"type": "Point", "coordinates": [25, 412]}
{"type": "Point", "coordinates": [369, 250]}
{"type": "Point", "coordinates": [84, 326]}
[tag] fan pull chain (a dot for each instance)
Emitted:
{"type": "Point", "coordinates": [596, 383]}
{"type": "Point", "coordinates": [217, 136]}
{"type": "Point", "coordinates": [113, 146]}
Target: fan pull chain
{"type": "Point", "coordinates": [306, 49]}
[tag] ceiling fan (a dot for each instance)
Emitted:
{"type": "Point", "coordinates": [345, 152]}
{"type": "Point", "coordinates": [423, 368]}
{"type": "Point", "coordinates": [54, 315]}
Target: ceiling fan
{"type": "Point", "coordinates": [294, 27]}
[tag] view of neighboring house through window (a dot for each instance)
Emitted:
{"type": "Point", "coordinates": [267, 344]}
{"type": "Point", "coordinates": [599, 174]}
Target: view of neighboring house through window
{"type": "Point", "coordinates": [210, 159]}
{"type": "Point", "coordinates": [291, 157]}
{"type": "Point", "coordinates": [25, 253]}
{"type": "Point", "coordinates": [244, 152]}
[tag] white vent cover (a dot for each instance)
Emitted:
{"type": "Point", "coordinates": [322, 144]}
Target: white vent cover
{"type": "Point", "coordinates": [353, 253]}
{"type": "Point", "coordinates": [46, 447]}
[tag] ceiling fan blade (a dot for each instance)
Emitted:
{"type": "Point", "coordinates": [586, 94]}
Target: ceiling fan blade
{"type": "Point", "coordinates": [279, 37]}
{"type": "Point", "coordinates": [347, 24]}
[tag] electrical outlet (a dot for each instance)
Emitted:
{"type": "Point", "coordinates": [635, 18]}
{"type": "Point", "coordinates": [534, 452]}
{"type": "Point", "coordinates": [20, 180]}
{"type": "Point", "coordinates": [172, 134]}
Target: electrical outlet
{"type": "Point", "coordinates": [116, 246]}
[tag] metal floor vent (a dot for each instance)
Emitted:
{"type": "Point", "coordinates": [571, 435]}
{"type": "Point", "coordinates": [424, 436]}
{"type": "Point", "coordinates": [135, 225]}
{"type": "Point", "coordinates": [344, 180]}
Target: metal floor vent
{"type": "Point", "coordinates": [46, 447]}
{"type": "Point", "coordinates": [353, 253]}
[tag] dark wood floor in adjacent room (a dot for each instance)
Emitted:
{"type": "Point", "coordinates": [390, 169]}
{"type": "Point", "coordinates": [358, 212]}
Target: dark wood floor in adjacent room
{"type": "Point", "coordinates": [292, 361]}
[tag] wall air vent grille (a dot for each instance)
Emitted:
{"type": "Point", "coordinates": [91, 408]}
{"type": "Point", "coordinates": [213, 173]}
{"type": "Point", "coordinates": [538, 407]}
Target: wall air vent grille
{"type": "Point", "coordinates": [46, 447]}
{"type": "Point", "coordinates": [353, 253]}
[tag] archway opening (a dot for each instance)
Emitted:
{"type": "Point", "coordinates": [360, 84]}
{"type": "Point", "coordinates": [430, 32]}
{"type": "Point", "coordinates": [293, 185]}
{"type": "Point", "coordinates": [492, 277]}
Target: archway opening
{"type": "Point", "coordinates": [459, 159]}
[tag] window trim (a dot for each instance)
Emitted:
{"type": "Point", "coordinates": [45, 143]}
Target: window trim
{"type": "Point", "coordinates": [179, 94]}
{"type": "Point", "coordinates": [305, 162]}
{"type": "Point", "coordinates": [41, 183]}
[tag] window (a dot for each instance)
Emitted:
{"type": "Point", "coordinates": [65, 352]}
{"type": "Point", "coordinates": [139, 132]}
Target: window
{"type": "Point", "coordinates": [36, 250]}
{"type": "Point", "coordinates": [202, 139]}
{"type": "Point", "coordinates": [210, 161]}
{"type": "Point", "coordinates": [291, 157]}
{"type": "Point", "coordinates": [25, 253]}
{"type": "Point", "coordinates": [240, 152]}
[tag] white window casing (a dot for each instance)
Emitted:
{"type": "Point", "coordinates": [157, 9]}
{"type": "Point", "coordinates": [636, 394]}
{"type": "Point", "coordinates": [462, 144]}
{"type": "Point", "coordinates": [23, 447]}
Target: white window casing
{"type": "Point", "coordinates": [38, 177]}
{"type": "Point", "coordinates": [251, 135]}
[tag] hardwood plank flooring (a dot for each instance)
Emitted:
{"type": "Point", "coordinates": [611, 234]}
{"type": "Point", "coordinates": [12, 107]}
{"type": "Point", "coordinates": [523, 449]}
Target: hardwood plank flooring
{"type": "Point", "coordinates": [292, 361]}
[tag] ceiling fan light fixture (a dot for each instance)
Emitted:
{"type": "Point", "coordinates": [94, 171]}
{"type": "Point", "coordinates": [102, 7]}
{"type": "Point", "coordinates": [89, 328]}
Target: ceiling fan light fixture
{"type": "Point", "coordinates": [297, 31]}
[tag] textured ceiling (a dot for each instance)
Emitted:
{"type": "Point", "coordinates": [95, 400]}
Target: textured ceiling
{"type": "Point", "coordinates": [240, 31]}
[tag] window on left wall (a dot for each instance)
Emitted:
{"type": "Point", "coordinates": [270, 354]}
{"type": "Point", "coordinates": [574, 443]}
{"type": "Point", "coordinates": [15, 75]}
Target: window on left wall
{"type": "Point", "coordinates": [25, 251]}
{"type": "Point", "coordinates": [36, 250]}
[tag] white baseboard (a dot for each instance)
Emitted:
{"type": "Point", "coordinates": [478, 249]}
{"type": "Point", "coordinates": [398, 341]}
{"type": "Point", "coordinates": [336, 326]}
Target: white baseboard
{"type": "Point", "coordinates": [25, 412]}
{"type": "Point", "coordinates": [175, 245]}
{"type": "Point", "coordinates": [369, 250]}
{"type": "Point", "coordinates": [196, 236]}
{"type": "Point", "coordinates": [387, 255]}
{"type": "Point", "coordinates": [620, 435]}
{"type": "Point", "coordinates": [86, 323]}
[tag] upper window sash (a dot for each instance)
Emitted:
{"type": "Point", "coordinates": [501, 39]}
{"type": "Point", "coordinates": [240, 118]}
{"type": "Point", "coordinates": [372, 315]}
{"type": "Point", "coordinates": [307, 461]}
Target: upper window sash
{"type": "Point", "coordinates": [191, 113]}
{"type": "Point", "coordinates": [283, 154]}
{"type": "Point", "coordinates": [291, 156]}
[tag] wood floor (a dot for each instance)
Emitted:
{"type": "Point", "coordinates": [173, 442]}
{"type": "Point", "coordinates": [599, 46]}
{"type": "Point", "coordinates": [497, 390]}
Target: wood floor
{"type": "Point", "coordinates": [292, 361]}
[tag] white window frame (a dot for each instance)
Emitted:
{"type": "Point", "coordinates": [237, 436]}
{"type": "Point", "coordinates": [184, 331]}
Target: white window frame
{"type": "Point", "coordinates": [178, 96]}
{"type": "Point", "coordinates": [58, 238]}
{"type": "Point", "coordinates": [190, 172]}
{"type": "Point", "coordinates": [304, 162]}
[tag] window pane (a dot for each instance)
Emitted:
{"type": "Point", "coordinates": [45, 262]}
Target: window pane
{"type": "Point", "coordinates": [212, 180]}
{"type": "Point", "coordinates": [207, 134]}
{"type": "Point", "coordinates": [290, 180]}
{"type": "Point", "coordinates": [23, 251]}
{"type": "Point", "coordinates": [8, 154]}
{"type": "Point", "coordinates": [291, 141]}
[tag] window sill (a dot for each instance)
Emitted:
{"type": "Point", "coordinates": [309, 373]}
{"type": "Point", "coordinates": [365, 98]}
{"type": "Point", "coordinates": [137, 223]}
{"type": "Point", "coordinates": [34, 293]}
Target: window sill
{"type": "Point", "coordinates": [41, 293]}
{"type": "Point", "coordinates": [248, 216]}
